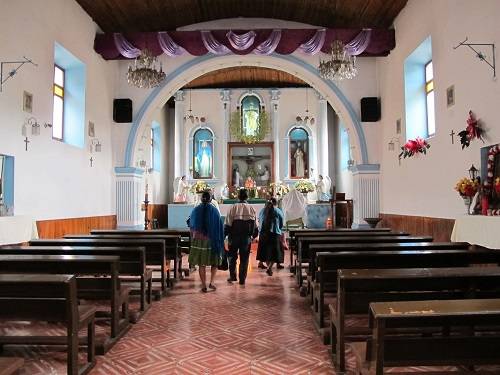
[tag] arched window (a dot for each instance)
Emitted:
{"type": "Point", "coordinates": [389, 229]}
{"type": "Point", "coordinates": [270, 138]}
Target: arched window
{"type": "Point", "coordinates": [250, 114]}
{"type": "Point", "coordinates": [299, 153]}
{"type": "Point", "coordinates": [203, 154]}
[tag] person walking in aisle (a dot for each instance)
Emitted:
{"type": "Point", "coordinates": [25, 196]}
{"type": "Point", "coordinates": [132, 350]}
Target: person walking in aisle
{"type": "Point", "coordinates": [207, 239]}
{"type": "Point", "coordinates": [271, 223]}
{"type": "Point", "coordinates": [241, 227]}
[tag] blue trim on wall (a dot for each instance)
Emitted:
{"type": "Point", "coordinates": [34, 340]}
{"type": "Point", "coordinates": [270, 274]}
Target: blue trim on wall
{"type": "Point", "coordinates": [198, 60]}
{"type": "Point", "coordinates": [366, 168]}
{"type": "Point", "coordinates": [129, 170]}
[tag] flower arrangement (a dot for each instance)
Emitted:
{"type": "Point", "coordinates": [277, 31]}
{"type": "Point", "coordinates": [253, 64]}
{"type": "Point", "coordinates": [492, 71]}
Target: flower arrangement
{"type": "Point", "coordinates": [467, 187]}
{"type": "Point", "coordinates": [414, 147]}
{"type": "Point", "coordinates": [199, 187]}
{"type": "Point", "coordinates": [278, 188]}
{"type": "Point", "coordinates": [497, 185]}
{"type": "Point", "coordinates": [473, 130]}
{"type": "Point", "coordinates": [304, 186]}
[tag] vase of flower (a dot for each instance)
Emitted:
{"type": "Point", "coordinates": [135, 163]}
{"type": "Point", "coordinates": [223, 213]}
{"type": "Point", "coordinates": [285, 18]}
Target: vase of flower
{"type": "Point", "coordinates": [467, 202]}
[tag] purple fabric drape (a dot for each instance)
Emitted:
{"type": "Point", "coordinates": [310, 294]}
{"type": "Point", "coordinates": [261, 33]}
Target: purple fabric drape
{"type": "Point", "coordinates": [375, 42]}
{"type": "Point", "coordinates": [212, 44]}
{"type": "Point", "coordinates": [269, 45]}
{"type": "Point", "coordinates": [168, 46]}
{"type": "Point", "coordinates": [314, 45]}
{"type": "Point", "coordinates": [358, 45]}
{"type": "Point", "coordinates": [124, 47]}
{"type": "Point", "coordinates": [241, 42]}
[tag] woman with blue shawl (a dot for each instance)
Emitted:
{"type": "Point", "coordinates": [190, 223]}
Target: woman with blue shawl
{"type": "Point", "coordinates": [207, 239]}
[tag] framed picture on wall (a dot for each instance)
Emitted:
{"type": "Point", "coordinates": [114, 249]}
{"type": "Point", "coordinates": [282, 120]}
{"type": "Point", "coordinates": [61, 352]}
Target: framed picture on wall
{"type": "Point", "coordinates": [398, 126]}
{"type": "Point", "coordinates": [27, 102]}
{"type": "Point", "coordinates": [91, 129]}
{"type": "Point", "coordinates": [450, 96]}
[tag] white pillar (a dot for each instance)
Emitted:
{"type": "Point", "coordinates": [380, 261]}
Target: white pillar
{"type": "Point", "coordinates": [179, 139]}
{"type": "Point", "coordinates": [225, 97]}
{"type": "Point", "coordinates": [322, 134]}
{"type": "Point", "coordinates": [366, 194]}
{"type": "Point", "coordinates": [129, 196]}
{"type": "Point", "coordinates": [275, 98]}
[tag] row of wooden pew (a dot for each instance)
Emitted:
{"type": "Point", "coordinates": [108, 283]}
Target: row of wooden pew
{"type": "Point", "coordinates": [400, 300]}
{"type": "Point", "coordinates": [51, 280]}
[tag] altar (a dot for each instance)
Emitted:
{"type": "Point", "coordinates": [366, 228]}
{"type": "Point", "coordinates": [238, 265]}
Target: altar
{"type": "Point", "coordinates": [17, 229]}
{"type": "Point", "coordinates": [477, 230]}
{"type": "Point", "coordinates": [316, 213]}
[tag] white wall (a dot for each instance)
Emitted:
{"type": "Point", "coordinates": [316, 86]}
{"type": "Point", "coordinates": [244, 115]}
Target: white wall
{"type": "Point", "coordinates": [424, 185]}
{"type": "Point", "coordinates": [53, 179]}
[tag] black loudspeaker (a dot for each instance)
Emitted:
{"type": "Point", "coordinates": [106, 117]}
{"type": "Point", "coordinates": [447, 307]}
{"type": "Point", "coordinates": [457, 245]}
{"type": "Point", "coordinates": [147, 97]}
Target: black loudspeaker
{"type": "Point", "coordinates": [370, 109]}
{"type": "Point", "coordinates": [122, 110]}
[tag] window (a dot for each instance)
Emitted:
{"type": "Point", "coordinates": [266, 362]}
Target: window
{"type": "Point", "coordinates": [429, 99]}
{"type": "Point", "coordinates": [250, 114]}
{"type": "Point", "coordinates": [299, 153]}
{"type": "Point", "coordinates": [203, 161]}
{"type": "Point", "coordinates": [155, 149]}
{"type": "Point", "coordinates": [58, 110]}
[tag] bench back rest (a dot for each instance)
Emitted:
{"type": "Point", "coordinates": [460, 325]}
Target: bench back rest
{"type": "Point", "coordinates": [132, 259]}
{"type": "Point", "coordinates": [416, 284]}
{"type": "Point", "coordinates": [38, 297]}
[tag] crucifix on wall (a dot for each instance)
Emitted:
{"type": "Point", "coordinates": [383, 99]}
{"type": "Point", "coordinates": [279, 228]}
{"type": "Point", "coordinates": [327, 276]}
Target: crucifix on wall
{"type": "Point", "coordinates": [91, 161]}
{"type": "Point", "coordinates": [452, 135]}
{"type": "Point", "coordinates": [26, 141]}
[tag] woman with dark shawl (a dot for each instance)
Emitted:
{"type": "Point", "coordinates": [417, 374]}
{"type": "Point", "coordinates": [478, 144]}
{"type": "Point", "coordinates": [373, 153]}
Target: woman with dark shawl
{"type": "Point", "coordinates": [207, 239]}
{"type": "Point", "coordinates": [271, 221]}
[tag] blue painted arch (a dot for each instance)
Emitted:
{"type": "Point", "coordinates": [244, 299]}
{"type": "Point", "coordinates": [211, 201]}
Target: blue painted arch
{"type": "Point", "coordinates": [295, 61]}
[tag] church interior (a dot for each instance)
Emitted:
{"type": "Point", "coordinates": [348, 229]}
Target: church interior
{"type": "Point", "coordinates": [364, 128]}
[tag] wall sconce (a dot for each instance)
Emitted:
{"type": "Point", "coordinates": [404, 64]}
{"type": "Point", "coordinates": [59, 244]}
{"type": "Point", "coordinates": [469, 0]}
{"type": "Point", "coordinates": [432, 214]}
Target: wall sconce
{"type": "Point", "coordinates": [473, 171]}
{"type": "Point", "coordinates": [96, 145]}
{"type": "Point", "coordinates": [392, 143]}
{"type": "Point", "coordinates": [35, 126]}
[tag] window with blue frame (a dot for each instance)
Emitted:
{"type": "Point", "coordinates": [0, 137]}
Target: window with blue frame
{"type": "Point", "coordinates": [419, 92]}
{"type": "Point", "coordinates": [69, 85]}
{"type": "Point", "coordinates": [203, 151]}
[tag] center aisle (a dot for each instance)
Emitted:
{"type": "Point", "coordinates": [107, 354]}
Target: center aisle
{"type": "Point", "coordinates": [264, 327]}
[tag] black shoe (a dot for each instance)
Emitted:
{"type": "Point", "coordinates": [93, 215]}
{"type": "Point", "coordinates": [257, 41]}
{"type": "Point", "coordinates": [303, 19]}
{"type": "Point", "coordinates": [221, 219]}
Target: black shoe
{"type": "Point", "coordinates": [269, 272]}
{"type": "Point", "coordinates": [231, 279]}
{"type": "Point", "coordinates": [204, 290]}
{"type": "Point", "coordinates": [279, 266]}
{"type": "Point", "coordinates": [242, 282]}
{"type": "Point", "coordinates": [212, 286]}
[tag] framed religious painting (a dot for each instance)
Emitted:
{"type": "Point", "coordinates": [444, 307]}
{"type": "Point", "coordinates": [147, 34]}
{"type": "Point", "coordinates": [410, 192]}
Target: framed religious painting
{"type": "Point", "coordinates": [250, 165]}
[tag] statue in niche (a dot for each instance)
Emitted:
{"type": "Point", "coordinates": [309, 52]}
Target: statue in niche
{"type": "Point", "coordinates": [236, 176]}
{"type": "Point", "coordinates": [299, 162]}
{"type": "Point", "coordinates": [250, 106]}
{"type": "Point", "coordinates": [266, 176]}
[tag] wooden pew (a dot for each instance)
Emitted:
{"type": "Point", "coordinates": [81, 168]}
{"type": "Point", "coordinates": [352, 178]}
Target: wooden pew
{"type": "Point", "coordinates": [293, 233]}
{"type": "Point", "coordinates": [10, 365]}
{"type": "Point", "coordinates": [330, 263]}
{"type": "Point", "coordinates": [357, 288]}
{"type": "Point", "coordinates": [45, 261]}
{"type": "Point", "coordinates": [48, 298]}
{"type": "Point", "coordinates": [154, 252]}
{"type": "Point", "coordinates": [184, 242]}
{"type": "Point", "coordinates": [465, 348]}
{"type": "Point", "coordinates": [172, 251]}
{"type": "Point", "coordinates": [303, 255]}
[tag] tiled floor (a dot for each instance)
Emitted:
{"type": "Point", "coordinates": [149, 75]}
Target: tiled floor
{"type": "Point", "coordinates": [264, 327]}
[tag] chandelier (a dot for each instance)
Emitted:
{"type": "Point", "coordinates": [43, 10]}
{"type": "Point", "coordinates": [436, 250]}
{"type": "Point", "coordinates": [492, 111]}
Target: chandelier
{"type": "Point", "coordinates": [341, 64]}
{"type": "Point", "coordinates": [305, 118]}
{"type": "Point", "coordinates": [191, 117]}
{"type": "Point", "coordinates": [144, 73]}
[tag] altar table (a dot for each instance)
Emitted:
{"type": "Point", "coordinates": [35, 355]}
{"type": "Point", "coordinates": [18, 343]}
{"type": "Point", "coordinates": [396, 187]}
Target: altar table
{"type": "Point", "coordinates": [17, 229]}
{"type": "Point", "coordinates": [477, 230]}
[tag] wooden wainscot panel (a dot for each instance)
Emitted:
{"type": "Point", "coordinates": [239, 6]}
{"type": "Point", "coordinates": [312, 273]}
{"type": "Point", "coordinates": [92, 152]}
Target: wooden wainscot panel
{"type": "Point", "coordinates": [57, 228]}
{"type": "Point", "coordinates": [440, 229]}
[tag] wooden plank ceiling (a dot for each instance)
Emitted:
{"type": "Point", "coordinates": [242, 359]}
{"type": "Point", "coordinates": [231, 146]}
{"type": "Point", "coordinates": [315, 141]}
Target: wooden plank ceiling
{"type": "Point", "coordinates": [246, 76]}
{"type": "Point", "coordinates": [164, 15]}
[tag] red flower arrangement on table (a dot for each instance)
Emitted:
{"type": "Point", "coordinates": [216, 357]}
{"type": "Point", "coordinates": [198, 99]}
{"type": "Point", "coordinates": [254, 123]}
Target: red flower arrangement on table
{"type": "Point", "coordinates": [472, 131]}
{"type": "Point", "coordinates": [414, 147]}
{"type": "Point", "coordinates": [467, 187]}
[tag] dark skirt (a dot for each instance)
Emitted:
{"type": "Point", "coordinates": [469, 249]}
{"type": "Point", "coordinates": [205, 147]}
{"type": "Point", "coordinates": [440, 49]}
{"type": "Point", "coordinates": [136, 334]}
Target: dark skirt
{"type": "Point", "coordinates": [269, 249]}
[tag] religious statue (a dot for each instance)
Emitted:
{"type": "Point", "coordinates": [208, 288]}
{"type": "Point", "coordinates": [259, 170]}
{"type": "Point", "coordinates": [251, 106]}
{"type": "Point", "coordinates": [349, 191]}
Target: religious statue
{"type": "Point", "coordinates": [322, 189]}
{"type": "Point", "coordinates": [236, 176]}
{"type": "Point", "coordinates": [299, 162]}
{"type": "Point", "coordinates": [264, 177]}
{"type": "Point", "coordinates": [182, 190]}
{"type": "Point", "coordinates": [203, 161]}
{"type": "Point", "coordinates": [250, 116]}
{"type": "Point", "coordinates": [249, 183]}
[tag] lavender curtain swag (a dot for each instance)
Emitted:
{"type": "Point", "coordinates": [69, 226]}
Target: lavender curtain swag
{"type": "Point", "coordinates": [357, 42]}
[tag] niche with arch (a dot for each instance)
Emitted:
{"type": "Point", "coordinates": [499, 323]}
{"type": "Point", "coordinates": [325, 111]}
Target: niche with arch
{"type": "Point", "coordinates": [203, 154]}
{"type": "Point", "coordinates": [298, 152]}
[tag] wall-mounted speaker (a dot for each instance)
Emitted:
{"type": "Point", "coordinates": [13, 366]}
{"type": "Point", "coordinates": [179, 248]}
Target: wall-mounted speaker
{"type": "Point", "coordinates": [370, 109]}
{"type": "Point", "coordinates": [122, 110]}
